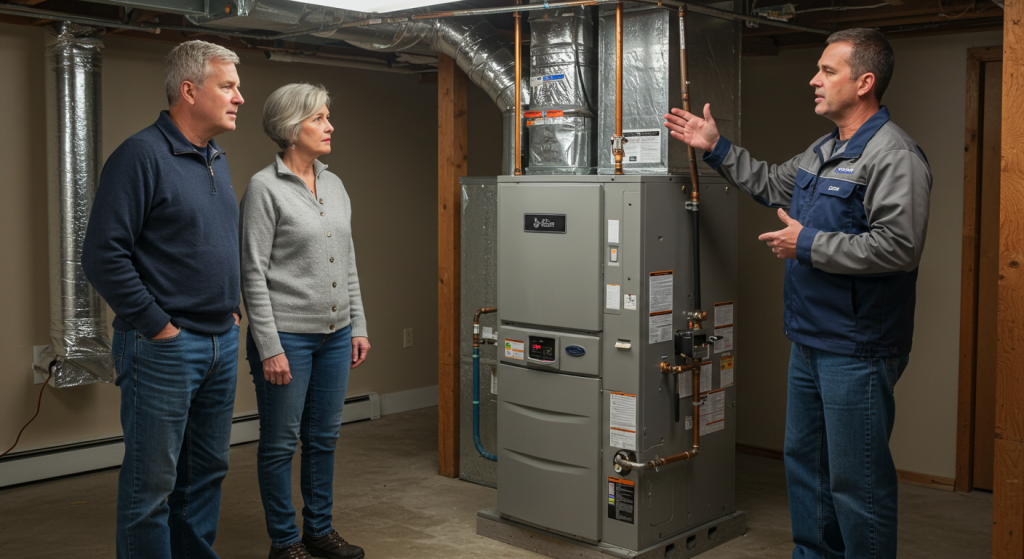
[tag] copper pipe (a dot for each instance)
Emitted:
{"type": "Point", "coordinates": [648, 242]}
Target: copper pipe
{"type": "Point", "coordinates": [666, 368]}
{"type": "Point", "coordinates": [476, 323]}
{"type": "Point", "coordinates": [617, 139]}
{"type": "Point", "coordinates": [518, 94]}
{"type": "Point", "coordinates": [694, 194]}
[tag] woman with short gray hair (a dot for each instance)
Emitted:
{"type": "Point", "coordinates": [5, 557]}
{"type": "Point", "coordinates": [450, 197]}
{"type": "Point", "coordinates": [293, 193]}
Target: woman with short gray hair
{"type": "Point", "coordinates": [306, 321]}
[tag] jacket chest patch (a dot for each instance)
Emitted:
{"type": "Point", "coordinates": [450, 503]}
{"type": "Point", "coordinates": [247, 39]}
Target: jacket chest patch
{"type": "Point", "coordinates": [844, 170]}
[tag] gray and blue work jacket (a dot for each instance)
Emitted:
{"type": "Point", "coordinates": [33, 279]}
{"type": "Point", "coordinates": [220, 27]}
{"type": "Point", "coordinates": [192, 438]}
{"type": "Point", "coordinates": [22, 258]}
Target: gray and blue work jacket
{"type": "Point", "coordinates": [851, 288]}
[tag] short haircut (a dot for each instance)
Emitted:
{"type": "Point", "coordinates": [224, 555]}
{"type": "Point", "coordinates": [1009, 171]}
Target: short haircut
{"type": "Point", "coordinates": [871, 52]}
{"type": "Point", "coordinates": [287, 107]}
{"type": "Point", "coordinates": [189, 62]}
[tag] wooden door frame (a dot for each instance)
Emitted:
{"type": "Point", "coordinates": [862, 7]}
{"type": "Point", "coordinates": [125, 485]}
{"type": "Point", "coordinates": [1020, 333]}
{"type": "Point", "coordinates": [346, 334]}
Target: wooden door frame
{"type": "Point", "coordinates": [976, 59]}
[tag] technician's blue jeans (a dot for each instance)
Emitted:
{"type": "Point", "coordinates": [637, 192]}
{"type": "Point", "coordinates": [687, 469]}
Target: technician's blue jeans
{"type": "Point", "coordinates": [177, 398]}
{"type": "Point", "coordinates": [307, 409]}
{"type": "Point", "coordinates": [839, 471]}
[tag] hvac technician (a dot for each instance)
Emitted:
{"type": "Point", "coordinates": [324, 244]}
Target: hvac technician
{"type": "Point", "coordinates": [858, 211]}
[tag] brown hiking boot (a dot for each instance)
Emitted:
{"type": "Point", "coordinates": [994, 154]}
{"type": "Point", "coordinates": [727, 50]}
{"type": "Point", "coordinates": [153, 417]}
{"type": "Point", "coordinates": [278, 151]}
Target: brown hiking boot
{"type": "Point", "coordinates": [332, 546]}
{"type": "Point", "coordinates": [294, 551]}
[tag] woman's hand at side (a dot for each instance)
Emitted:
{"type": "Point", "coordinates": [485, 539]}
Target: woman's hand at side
{"type": "Point", "coordinates": [275, 369]}
{"type": "Point", "coordinates": [360, 348]}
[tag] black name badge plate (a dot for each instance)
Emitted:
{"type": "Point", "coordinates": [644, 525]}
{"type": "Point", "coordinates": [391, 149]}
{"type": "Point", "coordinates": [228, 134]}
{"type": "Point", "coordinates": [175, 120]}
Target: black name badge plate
{"type": "Point", "coordinates": [544, 223]}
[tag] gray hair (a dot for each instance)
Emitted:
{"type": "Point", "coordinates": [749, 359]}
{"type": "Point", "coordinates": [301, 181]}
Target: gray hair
{"type": "Point", "coordinates": [189, 62]}
{"type": "Point", "coordinates": [287, 107]}
{"type": "Point", "coordinates": [871, 52]}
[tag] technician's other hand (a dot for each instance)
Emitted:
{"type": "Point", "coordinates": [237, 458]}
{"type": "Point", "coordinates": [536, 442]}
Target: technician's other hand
{"type": "Point", "coordinates": [168, 331]}
{"type": "Point", "coordinates": [360, 349]}
{"type": "Point", "coordinates": [783, 241]}
{"type": "Point", "coordinates": [276, 370]}
{"type": "Point", "coordinates": [238, 319]}
{"type": "Point", "coordinates": [701, 133]}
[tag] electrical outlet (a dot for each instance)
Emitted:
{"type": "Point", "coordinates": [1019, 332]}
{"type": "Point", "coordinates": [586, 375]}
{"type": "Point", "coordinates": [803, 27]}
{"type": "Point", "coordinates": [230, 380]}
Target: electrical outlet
{"type": "Point", "coordinates": [407, 337]}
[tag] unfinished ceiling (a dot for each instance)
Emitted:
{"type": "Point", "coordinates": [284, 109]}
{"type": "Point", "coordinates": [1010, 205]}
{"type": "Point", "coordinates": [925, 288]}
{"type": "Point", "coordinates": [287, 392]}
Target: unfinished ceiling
{"type": "Point", "coordinates": [895, 18]}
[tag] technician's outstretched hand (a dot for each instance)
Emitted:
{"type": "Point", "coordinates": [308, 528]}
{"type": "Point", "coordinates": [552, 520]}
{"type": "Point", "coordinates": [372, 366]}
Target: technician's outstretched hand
{"type": "Point", "coordinates": [783, 241]}
{"type": "Point", "coordinates": [701, 133]}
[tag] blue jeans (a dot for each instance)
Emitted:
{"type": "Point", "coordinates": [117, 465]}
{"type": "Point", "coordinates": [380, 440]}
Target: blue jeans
{"type": "Point", "coordinates": [839, 471]}
{"type": "Point", "coordinates": [177, 399]}
{"type": "Point", "coordinates": [307, 409]}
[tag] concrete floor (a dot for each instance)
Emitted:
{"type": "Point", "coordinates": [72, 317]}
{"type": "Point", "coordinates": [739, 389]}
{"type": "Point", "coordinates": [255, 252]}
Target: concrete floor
{"type": "Point", "coordinates": [401, 509]}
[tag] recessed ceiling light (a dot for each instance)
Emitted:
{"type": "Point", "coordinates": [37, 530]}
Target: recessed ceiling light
{"type": "Point", "coordinates": [374, 6]}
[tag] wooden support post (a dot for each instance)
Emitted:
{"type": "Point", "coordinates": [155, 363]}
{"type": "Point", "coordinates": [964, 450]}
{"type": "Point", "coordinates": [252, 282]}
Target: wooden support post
{"type": "Point", "coordinates": [451, 165]}
{"type": "Point", "coordinates": [1008, 481]}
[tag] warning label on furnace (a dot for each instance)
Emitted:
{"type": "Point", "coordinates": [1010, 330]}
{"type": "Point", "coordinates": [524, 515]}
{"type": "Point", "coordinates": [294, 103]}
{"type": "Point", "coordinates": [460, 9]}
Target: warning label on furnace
{"type": "Point", "coordinates": [622, 421]}
{"type": "Point", "coordinates": [660, 327]}
{"type": "Point", "coordinates": [712, 413]}
{"type": "Point", "coordinates": [660, 292]}
{"type": "Point", "coordinates": [514, 349]}
{"type": "Point", "coordinates": [621, 494]}
{"type": "Point", "coordinates": [642, 146]}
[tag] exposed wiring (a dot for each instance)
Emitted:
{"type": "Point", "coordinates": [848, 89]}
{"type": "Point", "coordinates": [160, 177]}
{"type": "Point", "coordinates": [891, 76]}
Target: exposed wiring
{"type": "Point", "coordinates": [39, 405]}
{"type": "Point", "coordinates": [942, 12]}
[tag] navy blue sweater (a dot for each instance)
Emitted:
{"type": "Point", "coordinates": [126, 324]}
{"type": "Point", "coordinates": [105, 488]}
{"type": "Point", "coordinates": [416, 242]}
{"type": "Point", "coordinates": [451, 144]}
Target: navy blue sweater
{"type": "Point", "coordinates": [162, 241]}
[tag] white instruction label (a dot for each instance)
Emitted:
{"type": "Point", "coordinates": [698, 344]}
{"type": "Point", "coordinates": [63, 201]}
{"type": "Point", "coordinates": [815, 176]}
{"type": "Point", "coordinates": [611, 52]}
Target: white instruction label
{"type": "Point", "coordinates": [514, 349]}
{"type": "Point", "coordinates": [689, 422]}
{"type": "Point", "coordinates": [622, 420]}
{"type": "Point", "coordinates": [660, 327]}
{"type": "Point", "coordinates": [725, 343]}
{"type": "Point", "coordinates": [629, 302]}
{"type": "Point", "coordinates": [712, 413]}
{"type": "Point", "coordinates": [660, 287]}
{"type": "Point", "coordinates": [705, 377]}
{"type": "Point", "coordinates": [723, 314]}
{"type": "Point", "coordinates": [727, 370]}
{"type": "Point", "coordinates": [488, 333]}
{"type": "Point", "coordinates": [612, 296]}
{"type": "Point", "coordinates": [686, 385]}
{"type": "Point", "coordinates": [642, 146]}
{"type": "Point", "coordinates": [494, 381]}
{"type": "Point", "coordinates": [613, 231]}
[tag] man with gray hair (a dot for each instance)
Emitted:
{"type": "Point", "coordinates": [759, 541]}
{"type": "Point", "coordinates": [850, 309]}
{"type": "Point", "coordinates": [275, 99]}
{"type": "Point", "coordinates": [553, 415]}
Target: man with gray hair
{"type": "Point", "coordinates": [858, 212]}
{"type": "Point", "coordinates": [162, 249]}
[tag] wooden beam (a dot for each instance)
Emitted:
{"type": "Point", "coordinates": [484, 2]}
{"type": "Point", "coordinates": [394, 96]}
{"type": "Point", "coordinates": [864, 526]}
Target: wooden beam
{"type": "Point", "coordinates": [1008, 481]}
{"type": "Point", "coordinates": [451, 165]}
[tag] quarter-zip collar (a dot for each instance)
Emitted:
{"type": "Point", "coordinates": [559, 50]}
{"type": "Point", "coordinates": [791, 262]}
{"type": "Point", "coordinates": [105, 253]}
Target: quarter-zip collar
{"type": "Point", "coordinates": [179, 143]}
{"type": "Point", "coordinates": [859, 140]}
{"type": "Point", "coordinates": [283, 169]}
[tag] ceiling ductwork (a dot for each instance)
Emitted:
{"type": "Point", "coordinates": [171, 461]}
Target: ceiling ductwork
{"type": "Point", "coordinates": [476, 46]}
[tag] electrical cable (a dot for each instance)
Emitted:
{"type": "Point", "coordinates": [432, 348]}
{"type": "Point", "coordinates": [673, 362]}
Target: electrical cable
{"type": "Point", "coordinates": [39, 405]}
{"type": "Point", "coordinates": [843, 8]}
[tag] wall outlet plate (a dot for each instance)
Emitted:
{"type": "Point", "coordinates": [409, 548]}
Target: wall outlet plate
{"type": "Point", "coordinates": [407, 337]}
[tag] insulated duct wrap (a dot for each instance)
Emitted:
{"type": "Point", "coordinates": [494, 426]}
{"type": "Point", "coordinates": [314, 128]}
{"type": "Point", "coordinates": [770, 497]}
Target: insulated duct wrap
{"type": "Point", "coordinates": [651, 84]}
{"type": "Point", "coordinates": [563, 65]}
{"type": "Point", "coordinates": [80, 348]}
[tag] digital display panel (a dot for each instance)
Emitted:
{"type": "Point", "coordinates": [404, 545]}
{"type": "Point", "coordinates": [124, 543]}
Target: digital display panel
{"type": "Point", "coordinates": [542, 349]}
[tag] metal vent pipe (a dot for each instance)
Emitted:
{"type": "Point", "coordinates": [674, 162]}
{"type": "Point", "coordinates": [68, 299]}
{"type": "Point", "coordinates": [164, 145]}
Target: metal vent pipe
{"type": "Point", "coordinates": [80, 347]}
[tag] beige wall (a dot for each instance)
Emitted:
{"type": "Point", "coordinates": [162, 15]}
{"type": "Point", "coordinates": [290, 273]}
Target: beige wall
{"type": "Point", "coordinates": [385, 152]}
{"type": "Point", "coordinates": [926, 98]}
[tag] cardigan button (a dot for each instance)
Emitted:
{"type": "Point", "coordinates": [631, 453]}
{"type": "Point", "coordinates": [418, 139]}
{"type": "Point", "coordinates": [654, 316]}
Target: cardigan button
{"type": "Point", "coordinates": [334, 284]}
{"type": "Point", "coordinates": [321, 213]}
{"type": "Point", "coordinates": [328, 233]}
{"type": "Point", "coordinates": [334, 308]}
{"type": "Point", "coordinates": [332, 259]}
{"type": "Point", "coordinates": [332, 327]}
{"type": "Point", "coordinates": [321, 200]}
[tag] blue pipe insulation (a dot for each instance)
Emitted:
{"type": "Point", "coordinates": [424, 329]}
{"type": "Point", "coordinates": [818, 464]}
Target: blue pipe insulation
{"type": "Point", "coordinates": [476, 407]}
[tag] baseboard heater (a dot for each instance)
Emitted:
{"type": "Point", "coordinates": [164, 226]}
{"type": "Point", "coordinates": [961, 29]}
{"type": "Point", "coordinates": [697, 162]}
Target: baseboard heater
{"type": "Point", "coordinates": [50, 462]}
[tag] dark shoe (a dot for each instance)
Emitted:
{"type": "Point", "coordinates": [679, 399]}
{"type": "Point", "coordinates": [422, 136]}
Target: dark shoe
{"type": "Point", "coordinates": [332, 546]}
{"type": "Point", "coordinates": [294, 551]}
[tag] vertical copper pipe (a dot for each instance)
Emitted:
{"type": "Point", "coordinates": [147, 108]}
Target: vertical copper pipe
{"type": "Point", "coordinates": [618, 140]}
{"type": "Point", "coordinates": [519, 108]}
{"type": "Point", "coordinates": [694, 195]}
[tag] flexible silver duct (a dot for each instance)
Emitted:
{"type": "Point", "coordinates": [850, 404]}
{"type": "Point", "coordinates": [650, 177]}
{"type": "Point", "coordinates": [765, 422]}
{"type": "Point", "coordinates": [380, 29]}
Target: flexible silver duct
{"type": "Point", "coordinates": [80, 348]}
{"type": "Point", "coordinates": [563, 88]}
